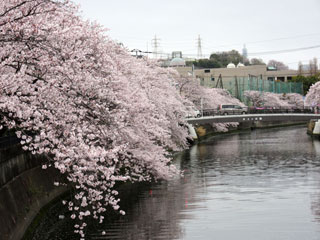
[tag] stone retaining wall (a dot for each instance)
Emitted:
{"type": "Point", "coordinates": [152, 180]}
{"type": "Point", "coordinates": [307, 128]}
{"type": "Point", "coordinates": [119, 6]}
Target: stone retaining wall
{"type": "Point", "coordinates": [24, 189]}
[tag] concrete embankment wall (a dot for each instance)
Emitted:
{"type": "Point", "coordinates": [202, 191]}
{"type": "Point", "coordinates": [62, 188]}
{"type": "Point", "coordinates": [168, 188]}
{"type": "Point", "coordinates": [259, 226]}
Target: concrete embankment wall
{"type": "Point", "coordinates": [314, 128]}
{"type": "Point", "coordinates": [24, 189]}
{"type": "Point", "coordinates": [207, 130]}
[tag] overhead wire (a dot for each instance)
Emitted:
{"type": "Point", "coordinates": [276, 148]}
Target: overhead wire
{"type": "Point", "coordinates": [194, 55]}
{"type": "Point", "coordinates": [284, 50]}
{"type": "Point", "coordinates": [302, 61]}
{"type": "Point", "coordinates": [267, 40]}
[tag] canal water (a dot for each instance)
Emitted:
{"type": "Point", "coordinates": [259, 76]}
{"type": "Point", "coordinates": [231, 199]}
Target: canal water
{"type": "Point", "coordinates": [263, 184]}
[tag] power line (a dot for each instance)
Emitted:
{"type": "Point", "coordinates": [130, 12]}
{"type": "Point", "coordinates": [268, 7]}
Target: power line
{"type": "Point", "coordinates": [283, 51]}
{"type": "Point", "coordinates": [270, 52]}
{"type": "Point", "coordinates": [266, 40]}
{"type": "Point", "coordinates": [256, 53]}
{"type": "Point", "coordinates": [156, 46]}
{"type": "Point", "coordinates": [215, 46]}
{"type": "Point", "coordinates": [308, 60]}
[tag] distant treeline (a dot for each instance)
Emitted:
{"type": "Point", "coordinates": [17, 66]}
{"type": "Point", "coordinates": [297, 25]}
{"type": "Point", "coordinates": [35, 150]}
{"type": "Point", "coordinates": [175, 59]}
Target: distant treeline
{"type": "Point", "coordinates": [222, 59]}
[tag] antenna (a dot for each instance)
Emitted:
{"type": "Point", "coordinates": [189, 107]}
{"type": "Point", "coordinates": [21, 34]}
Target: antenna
{"type": "Point", "coordinates": [199, 47]}
{"type": "Point", "coordinates": [156, 44]}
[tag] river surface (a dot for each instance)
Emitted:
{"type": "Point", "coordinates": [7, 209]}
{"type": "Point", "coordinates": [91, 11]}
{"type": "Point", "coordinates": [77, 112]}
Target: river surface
{"type": "Point", "coordinates": [263, 184]}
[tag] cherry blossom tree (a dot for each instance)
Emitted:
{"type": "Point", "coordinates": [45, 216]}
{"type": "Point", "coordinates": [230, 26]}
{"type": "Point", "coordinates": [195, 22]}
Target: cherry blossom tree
{"type": "Point", "coordinates": [255, 97]}
{"type": "Point", "coordinates": [313, 95]}
{"type": "Point", "coordinates": [294, 99]}
{"type": "Point", "coordinates": [259, 99]}
{"type": "Point", "coordinates": [99, 115]}
{"type": "Point", "coordinates": [208, 98]}
{"type": "Point", "coordinates": [211, 97]}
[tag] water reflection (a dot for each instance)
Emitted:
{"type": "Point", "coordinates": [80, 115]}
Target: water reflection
{"type": "Point", "coordinates": [259, 185]}
{"type": "Point", "coordinates": [316, 145]}
{"type": "Point", "coordinates": [150, 218]}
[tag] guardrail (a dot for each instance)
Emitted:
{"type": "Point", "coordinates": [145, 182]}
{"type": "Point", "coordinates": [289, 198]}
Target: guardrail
{"type": "Point", "coordinates": [266, 110]}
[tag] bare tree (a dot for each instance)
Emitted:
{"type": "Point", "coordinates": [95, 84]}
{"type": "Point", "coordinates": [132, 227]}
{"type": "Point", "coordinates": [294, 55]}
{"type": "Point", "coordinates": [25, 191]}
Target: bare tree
{"type": "Point", "coordinates": [278, 65]}
{"type": "Point", "coordinates": [256, 61]}
{"type": "Point", "coordinates": [313, 66]}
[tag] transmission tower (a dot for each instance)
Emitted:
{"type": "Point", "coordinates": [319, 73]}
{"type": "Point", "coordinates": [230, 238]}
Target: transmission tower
{"type": "Point", "coordinates": [155, 43]}
{"type": "Point", "coordinates": [199, 47]}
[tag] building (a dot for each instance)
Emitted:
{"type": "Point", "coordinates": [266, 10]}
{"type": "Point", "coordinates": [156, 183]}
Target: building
{"type": "Point", "coordinates": [209, 76]}
{"type": "Point", "coordinates": [240, 78]}
{"type": "Point", "coordinates": [176, 60]}
{"type": "Point", "coordinates": [229, 73]}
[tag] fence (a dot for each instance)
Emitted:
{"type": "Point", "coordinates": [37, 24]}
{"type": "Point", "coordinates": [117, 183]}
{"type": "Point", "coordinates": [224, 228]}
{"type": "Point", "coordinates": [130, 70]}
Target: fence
{"type": "Point", "coordinates": [237, 85]}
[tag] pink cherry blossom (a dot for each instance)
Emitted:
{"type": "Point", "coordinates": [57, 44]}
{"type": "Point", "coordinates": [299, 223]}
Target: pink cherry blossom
{"type": "Point", "coordinates": [313, 95]}
{"type": "Point", "coordinates": [96, 113]}
{"type": "Point", "coordinates": [207, 98]}
{"type": "Point", "coordinates": [274, 99]}
{"type": "Point", "coordinates": [99, 115]}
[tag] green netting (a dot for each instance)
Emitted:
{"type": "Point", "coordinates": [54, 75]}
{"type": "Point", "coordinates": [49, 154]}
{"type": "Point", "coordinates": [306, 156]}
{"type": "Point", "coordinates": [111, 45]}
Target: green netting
{"type": "Point", "coordinates": [238, 85]}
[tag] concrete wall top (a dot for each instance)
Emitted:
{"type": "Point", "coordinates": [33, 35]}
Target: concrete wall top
{"type": "Point", "coordinates": [282, 73]}
{"type": "Point", "coordinates": [255, 70]}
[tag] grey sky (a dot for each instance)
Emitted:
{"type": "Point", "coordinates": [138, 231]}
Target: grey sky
{"type": "Point", "coordinates": [222, 24]}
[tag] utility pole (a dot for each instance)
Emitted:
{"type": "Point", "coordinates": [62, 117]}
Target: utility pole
{"type": "Point", "coordinates": [199, 47]}
{"type": "Point", "coordinates": [219, 82]}
{"type": "Point", "coordinates": [201, 103]}
{"type": "Point", "coordinates": [155, 43]}
{"type": "Point", "coordinates": [147, 50]}
{"type": "Point", "coordinates": [237, 88]}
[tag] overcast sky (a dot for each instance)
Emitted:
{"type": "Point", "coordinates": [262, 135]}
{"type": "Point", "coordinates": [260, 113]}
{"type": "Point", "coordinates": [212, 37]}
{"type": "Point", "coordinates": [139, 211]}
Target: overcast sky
{"type": "Point", "coordinates": [223, 25]}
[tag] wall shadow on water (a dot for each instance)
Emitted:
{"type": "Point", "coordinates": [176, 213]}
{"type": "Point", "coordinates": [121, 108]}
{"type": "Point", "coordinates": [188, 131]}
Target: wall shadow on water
{"type": "Point", "coordinates": [146, 204]}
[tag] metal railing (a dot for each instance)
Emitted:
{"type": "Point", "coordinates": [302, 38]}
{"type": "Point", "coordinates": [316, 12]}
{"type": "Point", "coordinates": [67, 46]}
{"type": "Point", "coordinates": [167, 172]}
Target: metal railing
{"type": "Point", "coordinates": [266, 110]}
{"type": "Point", "coordinates": [258, 110]}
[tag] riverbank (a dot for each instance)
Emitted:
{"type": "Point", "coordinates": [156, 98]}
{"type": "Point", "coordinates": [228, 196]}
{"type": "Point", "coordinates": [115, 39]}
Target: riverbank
{"type": "Point", "coordinates": [207, 130]}
{"type": "Point", "coordinates": [314, 129]}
